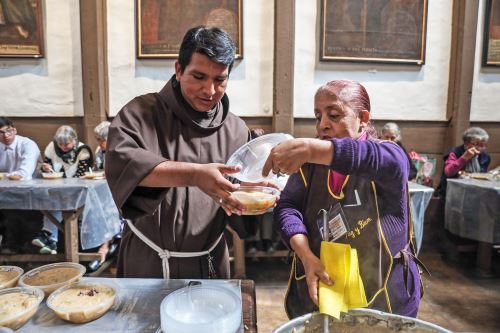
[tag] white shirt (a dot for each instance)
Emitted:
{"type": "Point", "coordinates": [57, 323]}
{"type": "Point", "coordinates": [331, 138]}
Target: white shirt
{"type": "Point", "coordinates": [21, 157]}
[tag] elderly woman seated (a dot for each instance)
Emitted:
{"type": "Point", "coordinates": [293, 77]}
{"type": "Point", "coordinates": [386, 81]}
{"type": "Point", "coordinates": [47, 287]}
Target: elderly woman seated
{"type": "Point", "coordinates": [101, 135]}
{"type": "Point", "coordinates": [391, 132]}
{"type": "Point", "coordinates": [471, 156]}
{"type": "Point", "coordinates": [64, 154]}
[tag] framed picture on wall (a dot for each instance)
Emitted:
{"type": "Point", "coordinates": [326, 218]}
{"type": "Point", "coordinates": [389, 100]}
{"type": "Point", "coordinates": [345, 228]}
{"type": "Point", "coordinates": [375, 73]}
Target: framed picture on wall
{"type": "Point", "coordinates": [491, 40]}
{"type": "Point", "coordinates": [390, 31]}
{"type": "Point", "coordinates": [21, 29]}
{"type": "Point", "coordinates": [161, 24]}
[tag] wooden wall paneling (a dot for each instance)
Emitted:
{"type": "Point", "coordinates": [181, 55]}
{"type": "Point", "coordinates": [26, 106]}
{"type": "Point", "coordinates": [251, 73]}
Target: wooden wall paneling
{"type": "Point", "coordinates": [259, 122]}
{"type": "Point", "coordinates": [464, 29]}
{"type": "Point", "coordinates": [283, 76]}
{"type": "Point", "coordinates": [42, 129]}
{"type": "Point", "coordinates": [94, 66]}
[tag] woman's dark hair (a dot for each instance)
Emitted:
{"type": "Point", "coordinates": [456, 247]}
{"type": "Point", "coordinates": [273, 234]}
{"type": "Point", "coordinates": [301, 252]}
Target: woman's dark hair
{"type": "Point", "coordinates": [214, 42]}
{"type": "Point", "coordinates": [6, 122]}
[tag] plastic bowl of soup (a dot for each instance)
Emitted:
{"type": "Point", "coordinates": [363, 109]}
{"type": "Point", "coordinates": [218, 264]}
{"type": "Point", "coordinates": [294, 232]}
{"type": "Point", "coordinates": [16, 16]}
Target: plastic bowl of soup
{"type": "Point", "coordinates": [256, 199]}
{"type": "Point", "coordinates": [9, 276]}
{"type": "Point", "coordinates": [18, 305]}
{"type": "Point", "coordinates": [53, 276]}
{"type": "Point", "coordinates": [52, 175]}
{"type": "Point", "coordinates": [82, 302]}
{"type": "Point", "coordinates": [94, 175]}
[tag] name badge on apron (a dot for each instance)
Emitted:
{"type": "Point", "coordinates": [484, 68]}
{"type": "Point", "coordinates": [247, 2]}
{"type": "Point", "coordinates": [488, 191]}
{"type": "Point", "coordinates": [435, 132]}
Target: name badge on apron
{"type": "Point", "coordinates": [336, 222]}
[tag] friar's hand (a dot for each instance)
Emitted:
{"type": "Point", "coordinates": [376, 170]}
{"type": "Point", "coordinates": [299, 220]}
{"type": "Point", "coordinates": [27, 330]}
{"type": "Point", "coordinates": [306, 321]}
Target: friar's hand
{"type": "Point", "coordinates": [210, 179]}
{"type": "Point", "coordinates": [315, 271]}
{"type": "Point", "coordinates": [287, 157]}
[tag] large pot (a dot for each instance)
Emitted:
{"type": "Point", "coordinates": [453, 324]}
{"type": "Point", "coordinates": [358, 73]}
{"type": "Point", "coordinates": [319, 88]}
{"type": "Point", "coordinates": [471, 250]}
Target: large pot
{"type": "Point", "coordinates": [359, 321]}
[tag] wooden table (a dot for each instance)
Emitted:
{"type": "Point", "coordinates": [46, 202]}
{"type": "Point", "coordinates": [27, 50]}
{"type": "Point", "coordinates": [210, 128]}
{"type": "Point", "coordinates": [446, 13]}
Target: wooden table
{"type": "Point", "coordinates": [138, 308]}
{"type": "Point", "coordinates": [90, 199]}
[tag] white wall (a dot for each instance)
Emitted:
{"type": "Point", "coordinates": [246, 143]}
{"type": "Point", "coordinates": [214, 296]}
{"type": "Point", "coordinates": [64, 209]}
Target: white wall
{"type": "Point", "coordinates": [51, 86]}
{"type": "Point", "coordinates": [250, 84]}
{"type": "Point", "coordinates": [399, 92]}
{"type": "Point", "coordinates": [486, 83]}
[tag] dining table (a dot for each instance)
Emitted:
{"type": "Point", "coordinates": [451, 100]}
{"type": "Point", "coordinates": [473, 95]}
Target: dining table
{"type": "Point", "coordinates": [137, 307]}
{"type": "Point", "coordinates": [472, 211]}
{"type": "Point", "coordinates": [86, 200]}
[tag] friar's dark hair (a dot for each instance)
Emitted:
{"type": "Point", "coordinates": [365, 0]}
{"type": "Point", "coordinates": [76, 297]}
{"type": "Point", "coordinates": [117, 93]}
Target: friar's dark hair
{"type": "Point", "coordinates": [213, 42]}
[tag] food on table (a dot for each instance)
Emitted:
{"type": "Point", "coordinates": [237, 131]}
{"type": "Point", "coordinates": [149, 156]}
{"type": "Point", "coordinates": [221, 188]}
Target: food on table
{"type": "Point", "coordinates": [52, 175]}
{"type": "Point", "coordinates": [94, 175]}
{"type": "Point", "coordinates": [82, 302]}
{"type": "Point", "coordinates": [18, 305]}
{"type": "Point", "coordinates": [52, 276]}
{"type": "Point", "coordinates": [9, 276]}
{"type": "Point", "coordinates": [15, 177]}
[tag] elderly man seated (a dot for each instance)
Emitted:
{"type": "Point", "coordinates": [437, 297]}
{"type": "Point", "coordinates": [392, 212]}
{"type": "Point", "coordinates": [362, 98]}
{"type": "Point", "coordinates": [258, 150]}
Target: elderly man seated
{"type": "Point", "coordinates": [18, 155]}
{"type": "Point", "coordinates": [18, 160]}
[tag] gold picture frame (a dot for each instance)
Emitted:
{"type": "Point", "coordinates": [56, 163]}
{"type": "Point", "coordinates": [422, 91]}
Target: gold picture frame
{"type": "Point", "coordinates": [491, 36]}
{"type": "Point", "coordinates": [387, 31]}
{"type": "Point", "coordinates": [21, 29]}
{"type": "Point", "coordinates": [162, 38]}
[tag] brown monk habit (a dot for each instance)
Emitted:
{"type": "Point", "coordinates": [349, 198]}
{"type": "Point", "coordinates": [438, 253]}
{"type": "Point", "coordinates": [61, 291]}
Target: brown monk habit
{"type": "Point", "coordinates": [151, 129]}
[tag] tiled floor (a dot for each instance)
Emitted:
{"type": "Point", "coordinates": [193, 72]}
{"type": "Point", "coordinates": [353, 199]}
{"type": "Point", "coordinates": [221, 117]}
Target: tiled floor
{"type": "Point", "coordinates": [454, 297]}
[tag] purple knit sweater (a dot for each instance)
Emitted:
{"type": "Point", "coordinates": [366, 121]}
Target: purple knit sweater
{"type": "Point", "coordinates": [381, 161]}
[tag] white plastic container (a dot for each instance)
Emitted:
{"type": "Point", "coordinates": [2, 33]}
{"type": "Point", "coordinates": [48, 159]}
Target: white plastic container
{"type": "Point", "coordinates": [252, 156]}
{"type": "Point", "coordinates": [201, 309]}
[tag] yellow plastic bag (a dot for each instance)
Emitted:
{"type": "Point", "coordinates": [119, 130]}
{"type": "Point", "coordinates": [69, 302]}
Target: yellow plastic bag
{"type": "Point", "coordinates": [347, 291]}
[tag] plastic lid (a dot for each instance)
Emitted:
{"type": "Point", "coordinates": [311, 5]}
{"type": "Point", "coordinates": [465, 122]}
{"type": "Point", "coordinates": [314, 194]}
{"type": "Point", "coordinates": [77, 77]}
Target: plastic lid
{"type": "Point", "coordinates": [252, 156]}
{"type": "Point", "coordinates": [201, 308]}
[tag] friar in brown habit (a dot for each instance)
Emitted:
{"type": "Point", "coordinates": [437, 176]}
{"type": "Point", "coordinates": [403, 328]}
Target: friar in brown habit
{"type": "Point", "coordinates": [165, 168]}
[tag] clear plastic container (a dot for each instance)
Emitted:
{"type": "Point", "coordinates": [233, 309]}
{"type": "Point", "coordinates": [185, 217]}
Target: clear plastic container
{"type": "Point", "coordinates": [252, 156]}
{"type": "Point", "coordinates": [53, 276]}
{"type": "Point", "coordinates": [201, 308]}
{"type": "Point", "coordinates": [18, 305]}
{"type": "Point", "coordinates": [9, 276]}
{"type": "Point", "coordinates": [52, 175]}
{"type": "Point", "coordinates": [257, 199]}
{"type": "Point", "coordinates": [83, 301]}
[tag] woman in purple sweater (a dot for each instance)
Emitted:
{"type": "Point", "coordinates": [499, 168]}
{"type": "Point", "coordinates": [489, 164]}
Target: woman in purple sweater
{"type": "Point", "coordinates": [347, 168]}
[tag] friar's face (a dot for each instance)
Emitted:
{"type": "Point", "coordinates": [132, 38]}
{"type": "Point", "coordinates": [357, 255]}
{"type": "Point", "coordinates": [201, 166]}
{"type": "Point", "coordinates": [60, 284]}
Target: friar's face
{"type": "Point", "coordinates": [203, 82]}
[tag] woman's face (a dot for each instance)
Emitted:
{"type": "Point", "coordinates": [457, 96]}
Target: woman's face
{"type": "Point", "coordinates": [65, 147]}
{"type": "Point", "coordinates": [480, 145]}
{"type": "Point", "coordinates": [101, 142]}
{"type": "Point", "coordinates": [335, 119]}
{"type": "Point", "coordinates": [390, 135]}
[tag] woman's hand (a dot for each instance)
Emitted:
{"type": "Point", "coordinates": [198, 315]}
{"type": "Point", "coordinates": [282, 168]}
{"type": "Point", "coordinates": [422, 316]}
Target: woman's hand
{"type": "Point", "coordinates": [315, 271]}
{"type": "Point", "coordinates": [470, 153]}
{"type": "Point", "coordinates": [46, 167]}
{"type": "Point", "coordinates": [313, 267]}
{"type": "Point", "coordinates": [290, 155]}
{"type": "Point", "coordinates": [287, 157]}
{"type": "Point", "coordinates": [210, 179]}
